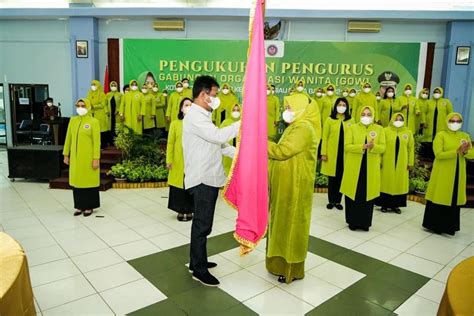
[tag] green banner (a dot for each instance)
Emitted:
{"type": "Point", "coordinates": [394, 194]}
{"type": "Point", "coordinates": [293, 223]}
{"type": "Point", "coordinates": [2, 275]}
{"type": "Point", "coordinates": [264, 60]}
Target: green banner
{"type": "Point", "coordinates": [345, 64]}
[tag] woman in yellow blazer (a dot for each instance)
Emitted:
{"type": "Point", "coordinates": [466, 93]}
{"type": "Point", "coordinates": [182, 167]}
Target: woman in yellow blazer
{"type": "Point", "coordinates": [447, 187]}
{"type": "Point", "coordinates": [364, 145]}
{"type": "Point", "coordinates": [398, 158]}
{"type": "Point", "coordinates": [386, 106]}
{"type": "Point", "coordinates": [82, 153]}
{"type": "Point", "coordinates": [332, 150]}
{"type": "Point", "coordinates": [179, 199]}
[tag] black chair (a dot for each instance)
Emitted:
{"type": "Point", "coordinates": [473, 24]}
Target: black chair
{"type": "Point", "coordinates": [43, 136]}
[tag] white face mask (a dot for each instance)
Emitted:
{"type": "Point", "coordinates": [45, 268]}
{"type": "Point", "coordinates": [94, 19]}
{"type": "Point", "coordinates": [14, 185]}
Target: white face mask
{"type": "Point", "coordinates": [288, 116]}
{"type": "Point", "coordinates": [179, 90]}
{"type": "Point", "coordinates": [165, 94]}
{"type": "Point", "coordinates": [398, 124]}
{"type": "Point", "coordinates": [225, 91]}
{"type": "Point", "coordinates": [319, 94]}
{"type": "Point", "coordinates": [390, 94]}
{"type": "Point", "coordinates": [341, 109]}
{"type": "Point", "coordinates": [235, 114]}
{"type": "Point", "coordinates": [134, 88]}
{"type": "Point", "coordinates": [155, 89]}
{"type": "Point", "coordinates": [186, 85]}
{"type": "Point", "coordinates": [367, 90]}
{"type": "Point", "coordinates": [93, 88]}
{"type": "Point", "coordinates": [144, 91]}
{"type": "Point", "coordinates": [330, 93]}
{"type": "Point", "coordinates": [455, 126]}
{"type": "Point", "coordinates": [378, 98]}
{"type": "Point", "coordinates": [366, 120]}
{"type": "Point", "coordinates": [407, 92]}
{"type": "Point", "coordinates": [299, 88]}
{"type": "Point", "coordinates": [269, 92]}
{"type": "Point", "coordinates": [215, 103]}
{"type": "Point", "coordinates": [113, 89]}
{"type": "Point", "coordinates": [345, 94]}
{"type": "Point", "coordinates": [49, 103]}
{"type": "Point", "coordinates": [352, 94]}
{"type": "Point", "coordinates": [81, 111]}
{"type": "Point", "coordinates": [186, 109]}
{"type": "Point", "coordinates": [424, 96]}
{"type": "Point", "coordinates": [436, 95]}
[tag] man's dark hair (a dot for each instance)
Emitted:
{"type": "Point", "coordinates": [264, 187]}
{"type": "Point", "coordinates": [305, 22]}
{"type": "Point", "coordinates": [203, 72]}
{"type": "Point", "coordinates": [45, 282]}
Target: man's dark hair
{"type": "Point", "coordinates": [49, 99]}
{"type": "Point", "coordinates": [180, 113]}
{"type": "Point", "coordinates": [125, 87]}
{"type": "Point", "coordinates": [347, 116]}
{"type": "Point", "coordinates": [204, 83]}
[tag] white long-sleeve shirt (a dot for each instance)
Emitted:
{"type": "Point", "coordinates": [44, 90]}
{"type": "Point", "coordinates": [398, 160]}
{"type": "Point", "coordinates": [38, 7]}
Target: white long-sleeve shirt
{"type": "Point", "coordinates": [203, 147]}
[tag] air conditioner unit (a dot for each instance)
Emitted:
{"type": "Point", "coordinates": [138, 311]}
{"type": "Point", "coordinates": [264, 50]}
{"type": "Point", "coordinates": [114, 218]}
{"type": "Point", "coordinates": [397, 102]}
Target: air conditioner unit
{"type": "Point", "coordinates": [168, 25]}
{"type": "Point", "coordinates": [364, 26]}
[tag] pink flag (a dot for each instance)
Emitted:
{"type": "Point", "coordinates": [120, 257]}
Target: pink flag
{"type": "Point", "coordinates": [247, 187]}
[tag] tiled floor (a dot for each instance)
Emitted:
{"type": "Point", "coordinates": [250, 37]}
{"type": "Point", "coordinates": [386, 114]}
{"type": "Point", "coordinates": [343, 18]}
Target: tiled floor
{"type": "Point", "coordinates": [133, 259]}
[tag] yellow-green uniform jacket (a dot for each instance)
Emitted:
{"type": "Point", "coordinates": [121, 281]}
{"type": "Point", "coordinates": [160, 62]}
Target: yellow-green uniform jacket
{"type": "Point", "coordinates": [326, 107]}
{"type": "Point", "coordinates": [441, 184]}
{"type": "Point", "coordinates": [422, 106]}
{"type": "Point", "coordinates": [99, 106]}
{"type": "Point", "coordinates": [160, 104]}
{"type": "Point", "coordinates": [228, 101]}
{"type": "Point", "coordinates": [174, 100]}
{"type": "Point", "coordinates": [82, 145]}
{"type": "Point", "coordinates": [273, 114]}
{"type": "Point", "coordinates": [131, 109]}
{"type": "Point", "coordinates": [386, 110]}
{"type": "Point", "coordinates": [352, 103]}
{"type": "Point", "coordinates": [188, 93]}
{"type": "Point", "coordinates": [411, 113]}
{"type": "Point", "coordinates": [117, 95]}
{"type": "Point", "coordinates": [292, 174]}
{"type": "Point", "coordinates": [330, 143]}
{"type": "Point", "coordinates": [227, 161]}
{"type": "Point", "coordinates": [394, 180]}
{"type": "Point", "coordinates": [354, 139]}
{"type": "Point", "coordinates": [364, 99]}
{"type": "Point", "coordinates": [174, 154]}
{"type": "Point", "coordinates": [444, 108]}
{"type": "Point", "coordinates": [149, 110]}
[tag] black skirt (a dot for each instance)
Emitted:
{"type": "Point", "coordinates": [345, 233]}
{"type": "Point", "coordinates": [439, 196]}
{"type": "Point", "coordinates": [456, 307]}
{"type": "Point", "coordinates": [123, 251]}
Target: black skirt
{"type": "Point", "coordinates": [359, 211]}
{"type": "Point", "coordinates": [86, 199]}
{"type": "Point", "coordinates": [392, 201]}
{"type": "Point", "coordinates": [180, 201]}
{"type": "Point", "coordinates": [334, 183]}
{"type": "Point", "coordinates": [443, 218]}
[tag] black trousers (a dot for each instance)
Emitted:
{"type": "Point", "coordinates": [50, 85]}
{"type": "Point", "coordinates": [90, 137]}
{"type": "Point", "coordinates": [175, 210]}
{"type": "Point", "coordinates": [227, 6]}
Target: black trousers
{"type": "Point", "coordinates": [205, 198]}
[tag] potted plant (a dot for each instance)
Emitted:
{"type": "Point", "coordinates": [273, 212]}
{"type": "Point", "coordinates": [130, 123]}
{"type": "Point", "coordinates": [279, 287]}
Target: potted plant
{"type": "Point", "coordinates": [119, 172]}
{"type": "Point", "coordinates": [321, 180]}
{"type": "Point", "coordinates": [418, 185]}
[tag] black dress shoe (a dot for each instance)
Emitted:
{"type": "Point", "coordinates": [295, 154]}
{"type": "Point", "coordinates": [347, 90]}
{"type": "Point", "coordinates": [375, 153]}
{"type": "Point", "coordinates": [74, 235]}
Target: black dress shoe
{"type": "Point", "coordinates": [397, 210]}
{"type": "Point", "coordinates": [281, 279]}
{"type": "Point", "coordinates": [206, 279]}
{"type": "Point", "coordinates": [329, 206]}
{"type": "Point", "coordinates": [352, 227]}
{"type": "Point", "coordinates": [210, 265]}
{"type": "Point", "coordinates": [339, 206]}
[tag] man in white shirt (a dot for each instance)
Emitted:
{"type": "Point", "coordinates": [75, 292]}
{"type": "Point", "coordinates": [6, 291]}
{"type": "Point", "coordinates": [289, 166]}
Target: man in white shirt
{"type": "Point", "coordinates": [203, 147]}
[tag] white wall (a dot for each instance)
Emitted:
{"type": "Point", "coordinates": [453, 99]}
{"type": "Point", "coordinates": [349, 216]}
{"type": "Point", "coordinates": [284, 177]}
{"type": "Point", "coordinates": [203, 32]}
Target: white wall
{"type": "Point", "coordinates": [38, 52]}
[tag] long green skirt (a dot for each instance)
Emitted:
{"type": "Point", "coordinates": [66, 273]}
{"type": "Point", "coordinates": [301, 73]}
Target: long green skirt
{"type": "Point", "coordinates": [279, 267]}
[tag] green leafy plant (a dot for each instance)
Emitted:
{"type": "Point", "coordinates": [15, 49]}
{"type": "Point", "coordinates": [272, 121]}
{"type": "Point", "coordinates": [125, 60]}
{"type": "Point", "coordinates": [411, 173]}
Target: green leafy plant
{"type": "Point", "coordinates": [419, 174]}
{"type": "Point", "coordinates": [321, 181]}
{"type": "Point", "coordinates": [119, 171]}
